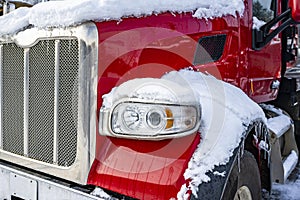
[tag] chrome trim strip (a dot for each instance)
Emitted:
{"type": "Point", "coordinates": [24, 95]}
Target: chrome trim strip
{"type": "Point", "coordinates": [1, 98]}
{"type": "Point", "coordinates": [26, 100]}
{"type": "Point", "coordinates": [56, 94]}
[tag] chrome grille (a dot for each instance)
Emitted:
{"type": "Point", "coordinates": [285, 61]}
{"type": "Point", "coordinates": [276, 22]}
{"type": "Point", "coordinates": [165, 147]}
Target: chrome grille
{"type": "Point", "coordinates": [12, 100]}
{"type": "Point", "coordinates": [40, 100]}
{"type": "Point", "coordinates": [68, 98]}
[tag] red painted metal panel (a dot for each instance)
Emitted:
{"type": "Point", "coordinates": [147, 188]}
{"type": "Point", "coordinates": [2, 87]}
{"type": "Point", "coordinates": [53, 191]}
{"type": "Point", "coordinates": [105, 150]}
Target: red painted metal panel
{"type": "Point", "coordinates": [143, 169]}
{"type": "Point", "coordinates": [149, 47]}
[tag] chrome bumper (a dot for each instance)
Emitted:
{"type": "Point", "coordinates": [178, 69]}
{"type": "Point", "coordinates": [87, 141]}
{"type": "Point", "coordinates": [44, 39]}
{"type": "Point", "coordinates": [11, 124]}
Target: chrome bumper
{"type": "Point", "coordinates": [26, 186]}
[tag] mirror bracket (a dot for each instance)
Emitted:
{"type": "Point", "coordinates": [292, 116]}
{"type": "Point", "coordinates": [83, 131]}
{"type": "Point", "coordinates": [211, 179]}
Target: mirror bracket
{"type": "Point", "coordinates": [262, 36]}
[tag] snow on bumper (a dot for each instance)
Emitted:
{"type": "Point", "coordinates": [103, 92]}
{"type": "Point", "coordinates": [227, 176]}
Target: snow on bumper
{"type": "Point", "coordinates": [26, 186]}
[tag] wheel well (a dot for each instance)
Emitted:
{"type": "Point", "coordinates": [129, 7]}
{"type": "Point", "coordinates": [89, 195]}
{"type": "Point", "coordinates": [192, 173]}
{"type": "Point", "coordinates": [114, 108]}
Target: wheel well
{"type": "Point", "coordinates": [262, 159]}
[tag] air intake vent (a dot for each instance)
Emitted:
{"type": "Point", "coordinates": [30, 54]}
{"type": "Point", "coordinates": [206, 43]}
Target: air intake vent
{"type": "Point", "coordinates": [209, 49]}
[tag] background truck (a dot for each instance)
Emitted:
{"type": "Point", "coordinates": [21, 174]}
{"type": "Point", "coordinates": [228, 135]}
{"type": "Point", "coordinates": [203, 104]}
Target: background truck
{"type": "Point", "coordinates": [122, 100]}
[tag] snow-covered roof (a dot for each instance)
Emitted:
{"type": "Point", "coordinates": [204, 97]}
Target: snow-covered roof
{"type": "Point", "coordinates": [72, 12]}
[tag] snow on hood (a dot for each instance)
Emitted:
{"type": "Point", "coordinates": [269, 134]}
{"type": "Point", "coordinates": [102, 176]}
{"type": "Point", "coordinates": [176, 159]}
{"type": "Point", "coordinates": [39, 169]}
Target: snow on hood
{"type": "Point", "coordinates": [72, 12]}
{"type": "Point", "coordinates": [226, 114]}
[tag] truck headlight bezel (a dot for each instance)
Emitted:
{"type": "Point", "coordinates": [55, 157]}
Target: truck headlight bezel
{"type": "Point", "coordinates": [141, 119]}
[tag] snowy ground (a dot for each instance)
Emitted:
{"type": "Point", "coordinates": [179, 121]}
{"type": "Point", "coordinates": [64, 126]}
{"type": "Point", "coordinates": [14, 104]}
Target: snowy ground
{"type": "Point", "coordinates": [290, 190]}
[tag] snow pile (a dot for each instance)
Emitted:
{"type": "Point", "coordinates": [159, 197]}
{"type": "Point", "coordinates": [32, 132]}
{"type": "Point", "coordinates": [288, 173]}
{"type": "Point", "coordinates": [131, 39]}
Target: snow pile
{"type": "Point", "coordinates": [257, 23]}
{"type": "Point", "coordinates": [148, 89]}
{"type": "Point", "coordinates": [31, 2]}
{"type": "Point", "coordinates": [72, 12]}
{"type": "Point", "coordinates": [14, 21]}
{"type": "Point", "coordinates": [278, 124]}
{"type": "Point", "coordinates": [226, 113]}
{"type": "Point", "coordinates": [98, 192]}
{"type": "Point", "coordinates": [290, 190]}
{"type": "Point", "coordinates": [290, 164]}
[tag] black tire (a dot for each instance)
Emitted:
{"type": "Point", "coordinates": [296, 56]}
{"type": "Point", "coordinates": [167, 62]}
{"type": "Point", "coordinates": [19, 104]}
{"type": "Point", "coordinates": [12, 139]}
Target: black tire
{"type": "Point", "coordinates": [245, 181]}
{"type": "Point", "coordinates": [297, 132]}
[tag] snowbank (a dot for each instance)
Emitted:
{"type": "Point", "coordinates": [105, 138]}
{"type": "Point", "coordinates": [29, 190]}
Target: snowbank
{"type": "Point", "coordinates": [290, 190]}
{"type": "Point", "coordinates": [72, 12]}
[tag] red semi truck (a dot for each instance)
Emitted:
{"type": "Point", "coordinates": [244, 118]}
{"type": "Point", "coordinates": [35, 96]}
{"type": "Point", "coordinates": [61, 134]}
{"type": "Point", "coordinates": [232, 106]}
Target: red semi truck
{"type": "Point", "coordinates": [85, 113]}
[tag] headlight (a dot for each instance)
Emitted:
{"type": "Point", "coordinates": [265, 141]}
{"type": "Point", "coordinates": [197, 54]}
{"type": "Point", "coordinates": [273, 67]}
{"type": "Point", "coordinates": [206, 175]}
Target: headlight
{"type": "Point", "coordinates": [144, 120]}
{"type": "Point", "coordinates": [151, 109]}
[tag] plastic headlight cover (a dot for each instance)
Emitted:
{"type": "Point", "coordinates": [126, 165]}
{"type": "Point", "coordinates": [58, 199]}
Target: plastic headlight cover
{"type": "Point", "coordinates": [150, 109]}
{"type": "Point", "coordinates": [147, 120]}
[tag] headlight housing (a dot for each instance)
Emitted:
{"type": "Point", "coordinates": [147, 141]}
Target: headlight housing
{"type": "Point", "coordinates": [142, 117]}
{"type": "Point", "coordinates": [143, 120]}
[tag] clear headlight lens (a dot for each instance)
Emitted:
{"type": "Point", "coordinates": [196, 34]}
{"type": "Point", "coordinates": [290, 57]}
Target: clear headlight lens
{"type": "Point", "coordinates": [146, 120]}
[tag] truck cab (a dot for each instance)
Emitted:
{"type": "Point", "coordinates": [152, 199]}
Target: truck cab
{"type": "Point", "coordinates": [135, 101]}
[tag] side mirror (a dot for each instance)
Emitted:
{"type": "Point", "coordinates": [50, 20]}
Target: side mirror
{"type": "Point", "coordinates": [295, 8]}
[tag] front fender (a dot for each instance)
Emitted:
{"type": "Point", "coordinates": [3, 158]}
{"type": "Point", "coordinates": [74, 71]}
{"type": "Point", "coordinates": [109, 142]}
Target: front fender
{"type": "Point", "coordinates": [214, 189]}
{"type": "Point", "coordinates": [143, 169]}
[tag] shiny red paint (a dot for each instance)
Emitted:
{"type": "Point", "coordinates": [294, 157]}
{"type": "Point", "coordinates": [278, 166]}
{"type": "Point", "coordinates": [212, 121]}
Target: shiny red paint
{"type": "Point", "coordinates": [263, 66]}
{"type": "Point", "coordinates": [295, 5]}
{"type": "Point", "coordinates": [143, 169]}
{"type": "Point", "coordinates": [149, 47]}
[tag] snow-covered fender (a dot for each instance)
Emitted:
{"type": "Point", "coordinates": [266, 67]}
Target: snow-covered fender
{"type": "Point", "coordinates": [140, 164]}
{"type": "Point", "coordinates": [130, 159]}
{"type": "Point", "coordinates": [215, 188]}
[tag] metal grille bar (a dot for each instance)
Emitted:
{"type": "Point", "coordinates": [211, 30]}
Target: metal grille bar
{"type": "Point", "coordinates": [26, 100]}
{"type": "Point", "coordinates": [1, 130]}
{"type": "Point", "coordinates": [56, 95]}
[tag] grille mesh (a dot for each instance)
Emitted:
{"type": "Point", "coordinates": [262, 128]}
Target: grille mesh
{"type": "Point", "coordinates": [41, 98]}
{"type": "Point", "coordinates": [210, 49]}
{"type": "Point", "coordinates": [12, 101]}
{"type": "Point", "coordinates": [68, 105]}
{"type": "Point", "coordinates": [41, 101]}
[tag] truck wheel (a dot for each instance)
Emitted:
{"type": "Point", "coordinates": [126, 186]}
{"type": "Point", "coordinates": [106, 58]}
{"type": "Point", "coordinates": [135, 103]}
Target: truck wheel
{"type": "Point", "coordinates": [297, 132]}
{"type": "Point", "coordinates": [244, 184]}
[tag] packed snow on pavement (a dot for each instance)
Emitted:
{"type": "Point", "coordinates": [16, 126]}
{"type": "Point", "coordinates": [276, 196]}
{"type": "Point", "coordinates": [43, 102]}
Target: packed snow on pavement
{"type": "Point", "coordinates": [290, 190]}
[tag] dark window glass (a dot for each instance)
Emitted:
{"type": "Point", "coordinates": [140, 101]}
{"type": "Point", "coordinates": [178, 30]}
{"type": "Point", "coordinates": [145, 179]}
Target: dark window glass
{"type": "Point", "coordinates": [264, 9]}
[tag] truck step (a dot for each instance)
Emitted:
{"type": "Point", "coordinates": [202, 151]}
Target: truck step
{"type": "Point", "coordinates": [279, 125]}
{"type": "Point", "coordinates": [293, 72]}
{"type": "Point", "coordinates": [289, 164]}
